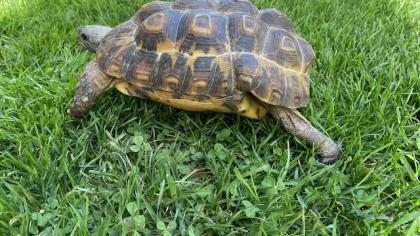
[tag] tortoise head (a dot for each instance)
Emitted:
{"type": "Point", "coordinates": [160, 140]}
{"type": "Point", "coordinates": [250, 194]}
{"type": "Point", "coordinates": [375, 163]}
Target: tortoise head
{"type": "Point", "coordinates": [90, 36]}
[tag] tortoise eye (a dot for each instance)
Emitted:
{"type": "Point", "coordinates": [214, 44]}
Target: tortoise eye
{"type": "Point", "coordinates": [84, 37]}
{"type": "Point", "coordinates": [288, 44]}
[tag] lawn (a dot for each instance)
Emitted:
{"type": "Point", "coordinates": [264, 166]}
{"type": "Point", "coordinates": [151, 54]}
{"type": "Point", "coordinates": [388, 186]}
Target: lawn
{"type": "Point", "coordinates": [134, 166]}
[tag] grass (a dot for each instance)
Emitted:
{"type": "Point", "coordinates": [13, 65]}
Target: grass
{"type": "Point", "coordinates": [135, 166]}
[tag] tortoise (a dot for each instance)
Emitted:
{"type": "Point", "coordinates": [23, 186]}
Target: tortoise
{"type": "Point", "coordinates": [205, 55]}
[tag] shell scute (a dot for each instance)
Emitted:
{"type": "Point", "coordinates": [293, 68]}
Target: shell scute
{"type": "Point", "coordinates": [158, 32]}
{"type": "Point", "coordinates": [195, 4]}
{"type": "Point", "coordinates": [276, 19]}
{"type": "Point", "coordinates": [202, 32]}
{"type": "Point", "coordinates": [244, 6]}
{"type": "Point", "coordinates": [282, 47]}
{"type": "Point", "coordinates": [281, 87]}
{"type": "Point", "coordinates": [247, 33]}
{"type": "Point", "coordinates": [149, 9]}
{"type": "Point", "coordinates": [139, 68]}
{"type": "Point", "coordinates": [170, 72]}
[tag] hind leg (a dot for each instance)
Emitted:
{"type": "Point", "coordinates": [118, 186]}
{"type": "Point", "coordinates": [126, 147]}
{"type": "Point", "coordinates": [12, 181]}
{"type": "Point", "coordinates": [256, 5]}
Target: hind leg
{"type": "Point", "coordinates": [296, 124]}
{"type": "Point", "coordinates": [90, 86]}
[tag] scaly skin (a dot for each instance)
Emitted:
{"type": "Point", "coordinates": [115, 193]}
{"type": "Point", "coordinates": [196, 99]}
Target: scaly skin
{"type": "Point", "coordinates": [295, 123]}
{"type": "Point", "coordinates": [93, 82]}
{"type": "Point", "coordinates": [90, 86]}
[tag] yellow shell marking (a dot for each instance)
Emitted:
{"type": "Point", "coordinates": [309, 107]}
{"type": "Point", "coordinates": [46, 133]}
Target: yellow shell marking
{"type": "Point", "coordinates": [155, 23]}
{"type": "Point", "coordinates": [246, 79]}
{"type": "Point", "coordinates": [200, 84]}
{"type": "Point", "coordinates": [249, 24]}
{"type": "Point", "coordinates": [165, 46]}
{"type": "Point", "coordinates": [172, 81]}
{"type": "Point", "coordinates": [287, 44]}
{"type": "Point", "coordinates": [246, 107]}
{"type": "Point", "coordinates": [202, 25]}
{"type": "Point", "coordinates": [200, 53]}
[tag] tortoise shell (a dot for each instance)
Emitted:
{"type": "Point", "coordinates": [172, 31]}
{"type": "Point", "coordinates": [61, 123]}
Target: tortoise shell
{"type": "Point", "coordinates": [226, 53]}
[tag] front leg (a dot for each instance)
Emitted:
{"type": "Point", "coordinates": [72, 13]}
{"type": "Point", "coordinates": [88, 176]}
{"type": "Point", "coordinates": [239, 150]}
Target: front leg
{"type": "Point", "coordinates": [295, 123]}
{"type": "Point", "coordinates": [91, 85]}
